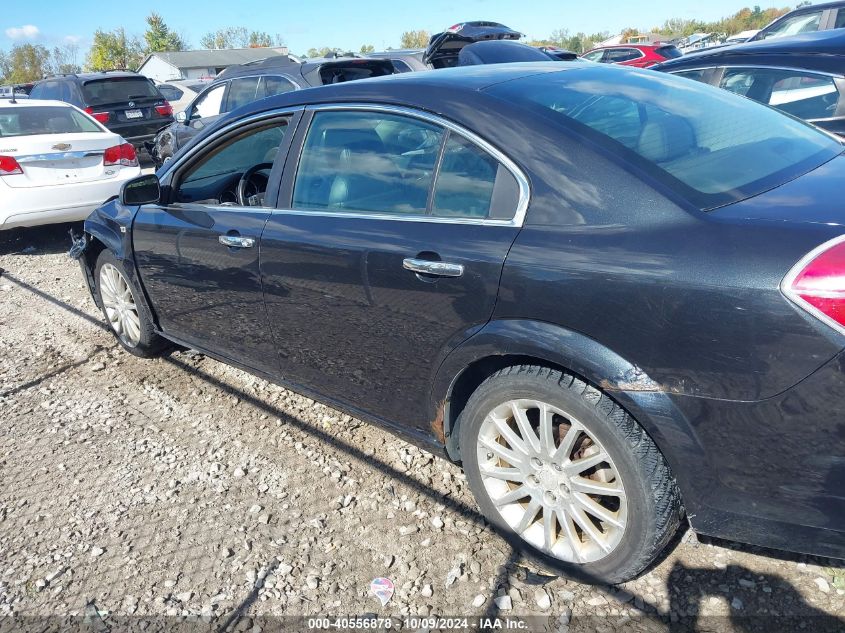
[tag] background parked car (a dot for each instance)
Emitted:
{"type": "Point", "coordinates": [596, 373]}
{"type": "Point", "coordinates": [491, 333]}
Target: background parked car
{"type": "Point", "coordinates": [803, 75]}
{"type": "Point", "coordinates": [57, 163]}
{"type": "Point", "coordinates": [20, 90]}
{"type": "Point", "coordinates": [239, 85]}
{"type": "Point", "coordinates": [180, 93]}
{"type": "Point", "coordinates": [404, 60]}
{"type": "Point", "coordinates": [639, 55]}
{"type": "Point", "coordinates": [808, 19]}
{"type": "Point", "coordinates": [127, 103]}
{"type": "Point", "coordinates": [443, 48]}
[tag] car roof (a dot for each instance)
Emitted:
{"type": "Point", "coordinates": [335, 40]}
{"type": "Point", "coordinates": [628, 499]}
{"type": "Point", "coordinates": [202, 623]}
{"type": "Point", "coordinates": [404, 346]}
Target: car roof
{"type": "Point", "coordinates": [105, 74]}
{"type": "Point", "coordinates": [38, 103]}
{"type": "Point", "coordinates": [819, 47]}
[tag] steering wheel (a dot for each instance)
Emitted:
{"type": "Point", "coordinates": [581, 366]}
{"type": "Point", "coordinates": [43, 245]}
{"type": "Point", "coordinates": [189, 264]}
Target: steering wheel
{"type": "Point", "coordinates": [250, 193]}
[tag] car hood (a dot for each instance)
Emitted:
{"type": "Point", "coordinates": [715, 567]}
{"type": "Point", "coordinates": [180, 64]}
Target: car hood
{"type": "Point", "coordinates": [446, 46]}
{"type": "Point", "coordinates": [815, 197]}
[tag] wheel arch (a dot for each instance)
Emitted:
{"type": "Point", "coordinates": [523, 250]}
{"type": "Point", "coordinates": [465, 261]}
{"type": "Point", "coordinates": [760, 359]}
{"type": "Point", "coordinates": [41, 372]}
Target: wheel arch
{"type": "Point", "coordinates": [504, 343]}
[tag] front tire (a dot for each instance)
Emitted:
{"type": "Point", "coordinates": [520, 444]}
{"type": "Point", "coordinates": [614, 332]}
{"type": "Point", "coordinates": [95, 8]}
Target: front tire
{"type": "Point", "coordinates": [125, 309]}
{"type": "Point", "coordinates": [566, 475]}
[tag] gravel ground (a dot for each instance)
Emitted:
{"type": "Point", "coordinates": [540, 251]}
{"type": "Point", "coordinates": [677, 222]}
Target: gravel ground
{"type": "Point", "coordinates": [181, 486]}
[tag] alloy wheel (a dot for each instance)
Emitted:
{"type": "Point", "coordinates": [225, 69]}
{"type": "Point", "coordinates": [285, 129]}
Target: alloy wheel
{"type": "Point", "coordinates": [119, 304]}
{"type": "Point", "coordinates": [551, 481]}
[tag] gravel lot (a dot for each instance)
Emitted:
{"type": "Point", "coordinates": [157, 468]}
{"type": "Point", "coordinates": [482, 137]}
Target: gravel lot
{"type": "Point", "coordinates": [182, 486]}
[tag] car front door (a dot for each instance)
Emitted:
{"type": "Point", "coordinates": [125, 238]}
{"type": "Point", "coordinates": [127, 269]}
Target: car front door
{"type": "Point", "coordinates": [386, 255]}
{"type": "Point", "coordinates": [197, 250]}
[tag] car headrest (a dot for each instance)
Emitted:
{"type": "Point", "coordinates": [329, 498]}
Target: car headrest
{"type": "Point", "coordinates": [666, 138]}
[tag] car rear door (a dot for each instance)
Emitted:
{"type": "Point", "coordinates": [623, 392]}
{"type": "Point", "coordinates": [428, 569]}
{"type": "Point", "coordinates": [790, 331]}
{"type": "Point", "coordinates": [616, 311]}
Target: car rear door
{"type": "Point", "coordinates": [197, 250]}
{"type": "Point", "coordinates": [385, 253]}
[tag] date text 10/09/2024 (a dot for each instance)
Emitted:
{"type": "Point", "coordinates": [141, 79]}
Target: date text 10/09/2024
{"type": "Point", "coordinates": [417, 623]}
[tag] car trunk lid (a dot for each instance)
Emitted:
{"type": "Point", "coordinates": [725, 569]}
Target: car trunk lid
{"type": "Point", "coordinates": [816, 197]}
{"type": "Point", "coordinates": [50, 159]}
{"type": "Point", "coordinates": [443, 48]}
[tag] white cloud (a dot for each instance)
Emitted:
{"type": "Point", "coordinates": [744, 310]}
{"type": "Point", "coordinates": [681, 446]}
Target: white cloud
{"type": "Point", "coordinates": [25, 32]}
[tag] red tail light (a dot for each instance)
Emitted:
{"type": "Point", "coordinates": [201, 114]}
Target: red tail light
{"type": "Point", "coordinates": [102, 117]}
{"type": "Point", "coordinates": [817, 283]}
{"type": "Point", "coordinates": [9, 166]}
{"type": "Point", "coordinates": [165, 110]}
{"type": "Point", "coordinates": [123, 155]}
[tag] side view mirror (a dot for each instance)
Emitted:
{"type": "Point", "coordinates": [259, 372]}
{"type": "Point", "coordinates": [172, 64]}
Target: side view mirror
{"type": "Point", "coordinates": [141, 190]}
{"type": "Point", "coordinates": [181, 116]}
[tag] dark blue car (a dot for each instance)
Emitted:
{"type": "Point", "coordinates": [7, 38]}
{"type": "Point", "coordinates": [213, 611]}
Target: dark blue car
{"type": "Point", "coordinates": [803, 75]}
{"type": "Point", "coordinates": [615, 296]}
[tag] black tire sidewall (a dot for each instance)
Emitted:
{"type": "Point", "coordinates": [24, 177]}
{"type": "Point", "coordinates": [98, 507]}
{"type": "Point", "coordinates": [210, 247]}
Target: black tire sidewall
{"type": "Point", "coordinates": [620, 564]}
{"type": "Point", "coordinates": [150, 343]}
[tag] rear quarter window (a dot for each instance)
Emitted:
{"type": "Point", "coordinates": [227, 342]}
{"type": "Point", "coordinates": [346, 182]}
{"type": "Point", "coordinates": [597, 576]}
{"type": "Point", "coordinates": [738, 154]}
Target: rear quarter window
{"type": "Point", "coordinates": [707, 144]}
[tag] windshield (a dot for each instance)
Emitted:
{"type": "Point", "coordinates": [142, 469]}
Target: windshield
{"type": "Point", "coordinates": [709, 145]}
{"type": "Point", "coordinates": [118, 89]}
{"type": "Point", "coordinates": [44, 120]}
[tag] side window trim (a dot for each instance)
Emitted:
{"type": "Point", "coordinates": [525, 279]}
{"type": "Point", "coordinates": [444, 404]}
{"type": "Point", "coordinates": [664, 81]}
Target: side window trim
{"type": "Point", "coordinates": [295, 155]}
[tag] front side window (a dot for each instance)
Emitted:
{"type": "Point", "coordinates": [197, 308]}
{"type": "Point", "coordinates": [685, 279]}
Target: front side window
{"type": "Point", "coordinates": [840, 19]}
{"type": "Point", "coordinates": [214, 178]}
{"type": "Point", "coordinates": [708, 145]}
{"type": "Point", "coordinates": [44, 120]}
{"type": "Point", "coordinates": [699, 74]}
{"type": "Point", "coordinates": [209, 104]}
{"type": "Point", "coordinates": [802, 23]}
{"type": "Point", "coordinates": [595, 56]}
{"type": "Point", "coordinates": [803, 94]}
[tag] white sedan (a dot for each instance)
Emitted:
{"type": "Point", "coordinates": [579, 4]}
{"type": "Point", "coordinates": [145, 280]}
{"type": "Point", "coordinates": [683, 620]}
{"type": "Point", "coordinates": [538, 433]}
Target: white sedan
{"type": "Point", "coordinates": [57, 164]}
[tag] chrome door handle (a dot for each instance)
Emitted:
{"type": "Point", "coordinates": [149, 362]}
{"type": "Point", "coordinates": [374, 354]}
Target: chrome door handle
{"type": "Point", "coordinates": [428, 267]}
{"type": "Point", "coordinates": [236, 241]}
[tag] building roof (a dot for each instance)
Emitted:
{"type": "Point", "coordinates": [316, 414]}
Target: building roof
{"type": "Point", "coordinates": [215, 58]}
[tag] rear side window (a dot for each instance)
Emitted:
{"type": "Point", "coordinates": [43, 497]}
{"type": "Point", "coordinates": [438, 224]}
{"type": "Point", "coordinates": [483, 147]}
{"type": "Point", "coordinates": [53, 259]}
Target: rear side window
{"type": "Point", "coordinates": [118, 90]}
{"type": "Point", "coordinates": [618, 55]}
{"type": "Point", "coordinates": [698, 74]}
{"type": "Point", "coordinates": [705, 143]}
{"type": "Point", "coordinates": [47, 90]}
{"type": "Point", "coordinates": [399, 66]}
{"type": "Point", "coordinates": [840, 19]}
{"type": "Point", "coordinates": [595, 56]}
{"type": "Point", "coordinates": [800, 93]}
{"type": "Point", "coordinates": [44, 120]}
{"type": "Point", "coordinates": [241, 92]}
{"type": "Point", "coordinates": [373, 162]}
{"type": "Point", "coordinates": [171, 93]}
{"type": "Point", "coordinates": [273, 85]}
{"type": "Point", "coordinates": [367, 162]}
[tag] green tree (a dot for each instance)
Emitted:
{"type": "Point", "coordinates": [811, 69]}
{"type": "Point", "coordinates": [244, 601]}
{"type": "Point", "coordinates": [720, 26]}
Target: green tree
{"type": "Point", "coordinates": [366, 49]}
{"type": "Point", "coordinates": [115, 49]}
{"type": "Point", "coordinates": [159, 37]}
{"type": "Point", "coordinates": [414, 39]}
{"type": "Point", "coordinates": [230, 37]}
{"type": "Point", "coordinates": [4, 67]}
{"type": "Point", "coordinates": [260, 39]}
{"type": "Point", "coordinates": [25, 63]}
{"type": "Point", "coordinates": [322, 52]}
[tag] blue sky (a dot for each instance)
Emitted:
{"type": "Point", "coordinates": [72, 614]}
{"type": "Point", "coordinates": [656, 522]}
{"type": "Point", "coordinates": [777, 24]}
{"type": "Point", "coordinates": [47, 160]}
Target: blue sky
{"type": "Point", "coordinates": [313, 23]}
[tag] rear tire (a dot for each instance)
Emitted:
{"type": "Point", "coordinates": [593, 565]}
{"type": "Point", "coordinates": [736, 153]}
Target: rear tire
{"type": "Point", "coordinates": [125, 309]}
{"type": "Point", "coordinates": [591, 497]}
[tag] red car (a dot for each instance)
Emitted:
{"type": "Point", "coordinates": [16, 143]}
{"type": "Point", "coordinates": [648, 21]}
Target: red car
{"type": "Point", "coordinates": [640, 55]}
